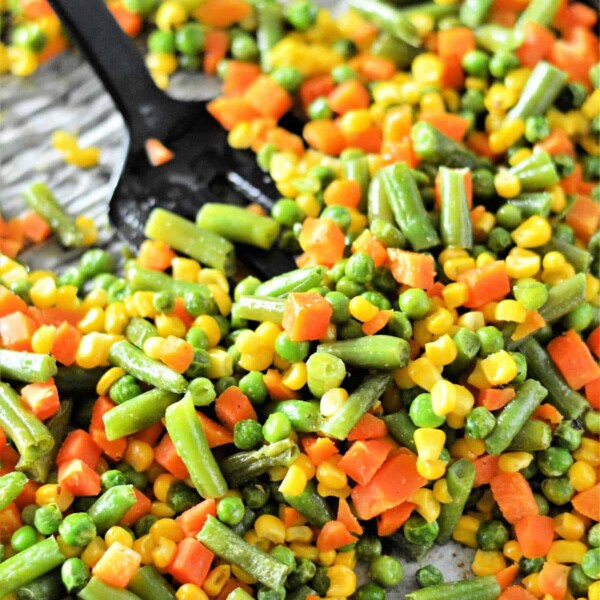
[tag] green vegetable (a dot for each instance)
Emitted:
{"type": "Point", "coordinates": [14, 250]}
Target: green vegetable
{"type": "Point", "coordinates": [460, 478]}
{"type": "Point", "coordinates": [26, 366]}
{"type": "Point", "coordinates": [383, 352]}
{"type": "Point", "coordinates": [479, 588]}
{"type": "Point", "coordinates": [108, 509]}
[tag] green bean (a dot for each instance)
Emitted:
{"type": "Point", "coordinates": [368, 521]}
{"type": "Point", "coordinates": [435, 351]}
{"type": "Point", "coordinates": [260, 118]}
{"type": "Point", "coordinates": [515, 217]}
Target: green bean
{"type": "Point", "coordinates": [536, 172]}
{"type": "Point", "coordinates": [455, 219]}
{"type": "Point", "coordinates": [432, 145]}
{"type": "Point", "coordinates": [111, 506]}
{"type": "Point", "coordinates": [241, 468]}
{"type": "Point", "coordinates": [389, 19]}
{"type": "Point", "coordinates": [155, 281]}
{"type": "Point", "coordinates": [407, 206]}
{"type": "Point", "coordinates": [269, 30]}
{"type": "Point", "coordinates": [29, 564]}
{"type": "Point", "coordinates": [514, 415]}
{"type": "Point", "coordinates": [467, 347]}
{"type": "Point", "coordinates": [534, 436]}
{"type": "Point", "coordinates": [75, 381]}
{"type": "Point", "coordinates": [26, 366]}
{"type": "Point", "coordinates": [357, 169]}
{"type": "Point", "coordinates": [540, 91]}
{"type": "Point", "coordinates": [125, 355]}
{"type": "Point", "coordinates": [238, 225]}
{"type": "Point", "coordinates": [384, 352]}
{"type": "Point", "coordinates": [570, 403]}
{"type": "Point", "coordinates": [378, 205]}
{"type": "Point", "coordinates": [48, 586]}
{"type": "Point", "coordinates": [149, 584]}
{"type": "Point", "coordinates": [402, 428]}
{"type": "Point", "coordinates": [474, 12]}
{"type": "Point", "coordinates": [479, 588]}
{"type": "Point", "coordinates": [304, 416]}
{"type": "Point", "coordinates": [11, 485]}
{"type": "Point", "coordinates": [429, 9]}
{"type": "Point", "coordinates": [358, 403]}
{"type": "Point", "coordinates": [579, 258]}
{"type": "Point", "coordinates": [259, 308]}
{"type": "Point", "coordinates": [218, 538]}
{"type": "Point", "coordinates": [563, 298]}
{"type": "Point", "coordinates": [300, 280]}
{"type": "Point", "coordinates": [399, 52]}
{"type": "Point", "coordinates": [310, 504]}
{"type": "Point", "coordinates": [190, 442]}
{"type": "Point", "coordinates": [300, 593]}
{"type": "Point", "coordinates": [185, 237]}
{"type": "Point", "coordinates": [41, 199]}
{"type": "Point", "coordinates": [539, 11]}
{"type": "Point", "coordinates": [139, 412]}
{"type": "Point", "coordinates": [138, 330]}
{"type": "Point", "coordinates": [460, 478]}
{"type": "Point", "coordinates": [28, 433]}
{"type": "Point", "coordinates": [492, 37]}
{"type": "Point", "coordinates": [96, 589]}
{"type": "Point", "coordinates": [537, 203]}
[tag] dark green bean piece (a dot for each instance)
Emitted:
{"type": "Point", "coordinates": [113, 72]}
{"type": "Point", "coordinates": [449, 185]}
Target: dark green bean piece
{"type": "Point", "coordinates": [390, 47]}
{"type": "Point", "coordinates": [534, 436]}
{"type": "Point", "coordinates": [259, 308]}
{"type": "Point", "coordinates": [26, 366]}
{"type": "Point", "coordinates": [300, 280]}
{"type": "Point", "coordinates": [300, 593]}
{"type": "Point", "coordinates": [492, 37]}
{"type": "Point", "coordinates": [47, 587]}
{"type": "Point", "coordinates": [111, 506]}
{"type": "Point", "coordinates": [460, 478]}
{"type": "Point", "coordinates": [311, 505]}
{"type": "Point", "coordinates": [378, 204]}
{"type": "Point", "coordinates": [539, 11]}
{"type": "Point", "coordinates": [138, 330]}
{"type": "Point", "coordinates": [479, 588]}
{"type": "Point", "coordinates": [563, 298]}
{"type": "Point", "coordinates": [384, 352]}
{"type": "Point", "coordinates": [514, 415]}
{"type": "Point", "coordinates": [11, 485]}
{"type": "Point", "coordinates": [155, 281]}
{"type": "Point", "coordinates": [536, 172]}
{"type": "Point", "coordinates": [149, 584]}
{"type": "Point", "coordinates": [455, 218]}
{"type": "Point", "coordinates": [432, 145]}
{"type": "Point", "coordinates": [537, 203]}
{"type": "Point", "coordinates": [185, 237]}
{"type": "Point", "coordinates": [474, 12]}
{"type": "Point", "coordinates": [389, 19]}
{"type": "Point", "coordinates": [96, 589]}
{"type": "Point", "coordinates": [269, 30]}
{"type": "Point", "coordinates": [75, 381]}
{"type": "Point", "coordinates": [402, 428]}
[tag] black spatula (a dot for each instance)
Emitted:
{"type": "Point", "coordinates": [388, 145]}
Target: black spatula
{"type": "Point", "coordinates": [204, 169]}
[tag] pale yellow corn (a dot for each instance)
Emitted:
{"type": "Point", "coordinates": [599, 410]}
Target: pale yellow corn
{"type": "Point", "coordinates": [332, 400]}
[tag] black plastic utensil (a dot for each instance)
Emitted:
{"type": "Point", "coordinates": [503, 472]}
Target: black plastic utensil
{"type": "Point", "coordinates": [204, 168]}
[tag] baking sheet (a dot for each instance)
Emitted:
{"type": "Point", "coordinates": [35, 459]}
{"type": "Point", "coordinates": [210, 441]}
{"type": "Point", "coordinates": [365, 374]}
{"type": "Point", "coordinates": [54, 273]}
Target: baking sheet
{"type": "Point", "coordinates": [65, 94]}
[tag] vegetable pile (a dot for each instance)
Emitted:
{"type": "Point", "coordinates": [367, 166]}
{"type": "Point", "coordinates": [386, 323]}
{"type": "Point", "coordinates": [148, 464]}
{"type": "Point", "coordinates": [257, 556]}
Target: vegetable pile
{"type": "Point", "coordinates": [429, 372]}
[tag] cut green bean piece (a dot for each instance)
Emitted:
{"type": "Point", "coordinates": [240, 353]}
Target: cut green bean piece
{"type": "Point", "coordinates": [492, 37]}
{"type": "Point", "coordinates": [535, 435]}
{"type": "Point", "coordinates": [389, 19]}
{"type": "Point", "coordinates": [432, 145]}
{"type": "Point", "coordinates": [96, 589]}
{"type": "Point", "coordinates": [300, 280]}
{"type": "Point", "coordinates": [155, 281]}
{"type": "Point", "coordinates": [269, 30]}
{"type": "Point", "coordinates": [402, 428]}
{"type": "Point", "coordinates": [149, 584]}
{"type": "Point", "coordinates": [304, 416]}
{"type": "Point", "coordinates": [11, 485]}
{"type": "Point", "coordinates": [357, 169]}
{"type": "Point", "coordinates": [460, 478]}
{"type": "Point", "coordinates": [384, 352]}
{"type": "Point", "coordinates": [138, 330]}
{"type": "Point", "coordinates": [533, 204]}
{"type": "Point", "coordinates": [26, 366]}
{"type": "Point", "coordinates": [111, 506]}
{"type": "Point", "coordinates": [539, 11]}
{"type": "Point", "coordinates": [474, 12]}
{"type": "Point", "coordinates": [537, 172]}
{"type": "Point", "coordinates": [310, 504]}
{"type": "Point", "coordinates": [378, 205]}
{"type": "Point", "coordinates": [455, 218]}
{"type": "Point", "coordinates": [259, 308]}
{"type": "Point", "coordinates": [579, 258]}
{"type": "Point", "coordinates": [479, 588]}
{"type": "Point", "coordinates": [563, 298]}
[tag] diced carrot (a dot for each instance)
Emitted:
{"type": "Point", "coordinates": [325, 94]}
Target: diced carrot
{"type": "Point", "coordinates": [325, 136]}
{"type": "Point", "coordinates": [141, 508]}
{"type": "Point", "coordinates": [368, 139]}
{"type": "Point", "coordinates": [592, 393]}
{"type": "Point", "coordinates": [333, 536]}
{"type": "Point", "coordinates": [369, 427]}
{"type": "Point", "coordinates": [157, 153]}
{"type": "Point", "coordinates": [261, 128]}
{"type": "Point", "coordinates": [581, 15]}
{"type": "Point", "coordinates": [547, 412]}
{"type": "Point", "coordinates": [41, 398]}
{"type": "Point", "coordinates": [216, 44]}
{"type": "Point", "coordinates": [575, 53]}
{"type": "Point", "coordinates": [34, 227]}
{"type": "Point", "coordinates": [276, 388]}
{"type": "Point", "coordinates": [346, 516]}
{"type": "Point", "coordinates": [53, 47]}
{"type": "Point", "coordinates": [363, 459]}
{"type": "Point", "coordinates": [183, 314]}
{"type": "Point", "coordinates": [366, 242]}
{"type": "Point", "coordinates": [229, 112]}
{"type": "Point", "coordinates": [10, 521]}
{"type": "Point", "coordinates": [2, 441]}
{"type": "Point", "coordinates": [102, 405]}
{"type": "Point", "coordinates": [557, 142]}
{"type": "Point", "coordinates": [114, 449]}
{"type": "Point", "coordinates": [10, 302]}
{"type": "Point", "coordinates": [533, 321]}
{"type": "Point", "coordinates": [397, 123]}
{"type": "Point", "coordinates": [34, 9]}
{"type": "Point", "coordinates": [570, 184]}
{"type": "Point", "coordinates": [176, 353]}
{"type": "Point", "coordinates": [584, 217]}
{"type": "Point", "coordinates": [454, 126]}
{"type": "Point", "coordinates": [452, 45]}
{"type": "Point", "coordinates": [513, 494]}
{"type": "Point", "coordinates": [150, 434]}
{"type": "Point", "coordinates": [507, 576]}
{"type": "Point", "coordinates": [131, 23]}
{"type": "Point", "coordinates": [79, 444]}
{"type": "Point", "coordinates": [323, 239]}
{"type": "Point", "coordinates": [315, 87]}
{"type": "Point", "coordinates": [306, 316]}
{"type": "Point", "coordinates": [16, 331]}
{"type": "Point", "coordinates": [588, 502]}
{"type": "Point", "coordinates": [155, 255]}
{"type": "Point", "coordinates": [79, 479]}
{"type": "Point", "coordinates": [486, 284]}
{"type": "Point", "coordinates": [395, 482]}
{"type": "Point", "coordinates": [268, 98]}
{"type": "Point", "coordinates": [166, 456]}
{"type": "Point", "coordinates": [537, 44]}
{"type": "Point", "coordinates": [240, 76]}
{"type": "Point", "coordinates": [593, 342]}
{"type": "Point", "coordinates": [412, 268]}
{"type": "Point", "coordinates": [55, 316]}
{"type": "Point", "coordinates": [376, 68]}
{"type": "Point", "coordinates": [117, 565]}
{"type": "Point", "coordinates": [552, 579]}
{"type": "Point", "coordinates": [400, 151]}
{"type": "Point", "coordinates": [193, 519]}
{"type": "Point", "coordinates": [516, 592]}
{"type": "Point", "coordinates": [27, 495]}
{"type": "Point", "coordinates": [535, 534]}
{"type": "Point", "coordinates": [391, 520]}
{"type": "Point", "coordinates": [494, 398]}
{"type": "Point", "coordinates": [485, 468]}
{"type": "Point", "coordinates": [233, 406]}
{"type": "Point", "coordinates": [573, 359]}
{"type": "Point", "coordinates": [10, 248]}
{"type": "Point", "coordinates": [10, 457]}
{"type": "Point", "coordinates": [342, 192]}
{"type": "Point", "coordinates": [349, 95]}
{"type": "Point", "coordinates": [66, 343]}
{"type": "Point", "coordinates": [478, 141]}
{"type": "Point", "coordinates": [291, 517]}
{"type": "Point", "coordinates": [319, 449]}
{"type": "Point", "coordinates": [285, 141]}
{"type": "Point", "coordinates": [222, 13]}
{"type": "Point", "coordinates": [216, 435]}
{"type": "Point", "coordinates": [192, 562]}
{"type": "Point", "coordinates": [377, 323]}
{"type": "Point", "coordinates": [13, 230]}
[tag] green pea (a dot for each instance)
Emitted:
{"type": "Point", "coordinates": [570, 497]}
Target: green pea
{"type": "Point", "coordinates": [244, 47]}
{"type": "Point", "coordinates": [265, 593]}
{"type": "Point", "coordinates": [124, 389]}
{"type": "Point", "coordinates": [386, 570]}
{"type": "Point", "coordinates": [499, 240]}
{"type": "Point", "coordinates": [319, 109]}
{"type": "Point", "coordinates": [414, 303]}
{"type": "Point", "coordinates": [161, 42]}
{"type": "Point", "coordinates": [290, 350]}
{"type": "Point", "coordinates": [324, 372]}
{"type": "Point", "coordinates": [537, 128]}
{"type": "Point", "coordinates": [112, 478]}
{"type": "Point", "coordinates": [568, 435]}
{"type": "Point", "coordinates": [368, 548]}
{"type": "Point", "coordinates": [492, 535]}
{"type": "Point", "coordinates": [139, 480]}
{"type": "Point", "coordinates": [30, 36]}
{"type": "Point", "coordinates": [189, 62]}
{"type": "Point", "coordinates": [96, 261]}
{"type": "Point", "coordinates": [558, 490]}
{"type": "Point", "coordinates": [527, 566]}
{"type": "Point", "coordinates": [350, 330]}
{"type": "Point", "coordinates": [28, 514]}
{"type": "Point", "coordinates": [289, 78]}
{"type": "Point", "coordinates": [302, 14]}
{"type": "Point", "coordinates": [479, 423]}
{"type": "Point", "coordinates": [339, 303]}
{"type": "Point", "coordinates": [400, 326]}
{"type": "Point", "coordinates": [384, 282]}
{"type": "Point", "coordinates": [74, 574]}
{"type": "Point", "coordinates": [554, 462]}
{"type": "Point", "coordinates": [253, 385]}
{"type": "Point", "coordinates": [521, 363]}
{"type": "Point", "coordinates": [370, 591]}
{"type": "Point", "coordinates": [347, 48]}
{"type": "Point", "coordinates": [23, 538]}
{"type": "Point", "coordinates": [141, 7]}
{"type": "Point", "coordinates": [255, 496]}
{"type": "Point", "coordinates": [491, 340]}
{"type": "Point", "coordinates": [322, 173]}
{"type": "Point", "coordinates": [277, 427]}
{"type": "Point", "coordinates": [542, 504]}
{"type": "Point", "coordinates": [349, 287]}
{"type": "Point", "coordinates": [421, 412]}
{"type": "Point", "coordinates": [224, 383]}
{"type": "Point", "coordinates": [230, 510]}
{"type": "Point", "coordinates": [264, 156]}
{"type": "Point", "coordinates": [595, 75]}
{"type": "Point", "coordinates": [77, 529]}
{"type": "Point", "coordinates": [483, 184]}
{"type": "Point", "coordinates": [284, 555]}
{"type": "Point", "coordinates": [189, 38]}
{"type": "Point", "coordinates": [197, 304]}
{"type": "Point", "coordinates": [578, 582]}
{"type": "Point", "coordinates": [182, 497]}
{"type": "Point", "coordinates": [509, 217]}
{"type": "Point", "coordinates": [339, 214]}
{"type": "Point", "coordinates": [342, 73]}
{"type": "Point", "coordinates": [429, 575]}
{"type": "Point", "coordinates": [286, 212]}
{"type": "Point", "coordinates": [591, 563]}
{"type": "Point", "coordinates": [142, 526]}
{"type": "Point", "coordinates": [580, 318]}
{"type": "Point", "coordinates": [304, 572]}
{"type": "Point", "coordinates": [74, 276]}
{"type": "Point", "coordinates": [502, 62]}
{"type": "Point", "coordinates": [418, 531]}
{"type": "Point", "coordinates": [247, 434]}
{"type": "Point", "coordinates": [592, 422]}
{"type": "Point", "coordinates": [47, 519]}
{"type": "Point", "coordinates": [594, 536]}
{"type": "Point", "coordinates": [476, 63]}
{"type": "Point", "coordinates": [544, 334]}
{"type": "Point", "coordinates": [389, 235]}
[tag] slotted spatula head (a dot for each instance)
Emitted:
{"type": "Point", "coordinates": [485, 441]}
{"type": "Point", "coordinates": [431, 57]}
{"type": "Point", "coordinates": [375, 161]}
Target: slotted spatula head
{"type": "Point", "coordinates": [204, 167]}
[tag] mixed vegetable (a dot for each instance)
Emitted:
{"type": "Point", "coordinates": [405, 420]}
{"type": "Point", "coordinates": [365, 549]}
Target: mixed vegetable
{"type": "Point", "coordinates": [171, 427]}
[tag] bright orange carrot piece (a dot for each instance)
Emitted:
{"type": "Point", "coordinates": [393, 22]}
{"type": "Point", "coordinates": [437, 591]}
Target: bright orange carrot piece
{"type": "Point", "coordinates": [513, 494]}
{"type": "Point", "coordinates": [166, 456]}
{"type": "Point", "coordinates": [240, 76]}
{"type": "Point", "coordinates": [507, 575]}
{"type": "Point", "coordinates": [222, 13]}
{"type": "Point", "coordinates": [412, 268]}
{"type": "Point", "coordinates": [368, 428]}
{"type": "Point", "coordinates": [391, 520]}
{"type": "Point", "coordinates": [494, 398]}
{"type": "Point", "coordinates": [216, 44]}
{"type": "Point", "coordinates": [233, 406]}
{"type": "Point", "coordinates": [325, 136]}
{"type": "Point", "coordinates": [276, 388]}
{"type": "Point", "coordinates": [141, 508]}
{"type": "Point", "coordinates": [346, 516]}
{"type": "Point", "coordinates": [192, 562]}
{"type": "Point", "coordinates": [268, 98]}
{"type": "Point", "coordinates": [485, 468]}
{"type": "Point", "coordinates": [306, 316]}
{"type": "Point", "coordinates": [66, 343]}
{"type": "Point", "coordinates": [364, 458]}
{"type": "Point", "coordinates": [229, 112]}
{"type": "Point", "coordinates": [10, 302]}
{"type": "Point", "coordinates": [573, 359]}
{"type": "Point", "coordinates": [588, 502]}
{"type": "Point", "coordinates": [334, 535]}
{"type": "Point", "coordinates": [41, 398]}
{"type": "Point", "coordinates": [193, 519]}
{"type": "Point", "coordinates": [216, 435]}
{"type": "Point", "coordinates": [319, 449]}
{"type": "Point", "coordinates": [79, 479]}
{"type": "Point", "coordinates": [79, 444]}
{"type": "Point", "coordinates": [584, 217]}
{"type": "Point", "coordinates": [516, 592]}
{"type": "Point", "coordinates": [366, 242]}
{"type": "Point", "coordinates": [16, 331]}
{"type": "Point", "coordinates": [117, 565]}
{"type": "Point", "coordinates": [553, 579]}
{"type": "Point", "coordinates": [349, 95]}
{"type": "Point", "coordinates": [535, 534]}
{"type": "Point", "coordinates": [157, 153]}
{"type": "Point", "coordinates": [486, 284]}
{"type": "Point", "coordinates": [34, 227]}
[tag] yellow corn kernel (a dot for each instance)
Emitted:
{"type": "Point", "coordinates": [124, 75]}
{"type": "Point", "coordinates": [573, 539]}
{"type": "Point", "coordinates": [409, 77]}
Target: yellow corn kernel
{"type": "Point", "coordinates": [295, 377]}
{"type": "Point", "coordinates": [166, 528]}
{"type": "Point", "coordinates": [488, 562]}
{"type": "Point", "coordinates": [22, 62]}
{"type": "Point", "coordinates": [441, 352]}
{"type": "Point", "coordinates": [553, 261]}
{"type": "Point", "coordinates": [221, 363]}
{"type": "Point", "coordinates": [452, 253]}
{"type": "Point", "coordinates": [163, 553]}
{"type": "Point", "coordinates": [308, 204]}
{"type": "Point", "coordinates": [507, 185]}
{"type": "Point", "coordinates": [559, 199]}
{"type": "Point", "coordinates": [592, 288]}
{"type": "Point", "coordinates": [115, 318]}
{"type": "Point", "coordinates": [144, 304]}
{"type": "Point", "coordinates": [420, 333]}
{"type": "Point", "coordinates": [443, 397]}
{"type": "Point", "coordinates": [242, 575]}
{"type": "Point", "coordinates": [63, 140]}
{"type": "Point", "coordinates": [216, 579]}
{"type": "Point", "coordinates": [342, 581]}
{"type": "Point", "coordinates": [511, 462]}
{"type": "Point", "coordinates": [43, 292]}
{"type": "Point", "coordinates": [532, 233]}
{"type": "Point", "coordinates": [52, 493]}
{"type": "Point", "coordinates": [185, 269]}
{"type": "Point", "coordinates": [594, 591]}
{"type": "Point", "coordinates": [107, 379]}
{"type": "Point", "coordinates": [455, 266]}
{"type": "Point", "coordinates": [332, 400]}
{"type": "Point", "coordinates": [464, 401]}
{"type": "Point", "coordinates": [301, 550]}
{"type": "Point", "coordinates": [270, 528]}
{"type": "Point", "coordinates": [477, 447]}
{"type": "Point", "coordinates": [304, 463]}
{"type": "Point", "coordinates": [268, 333]}
{"type": "Point", "coordinates": [362, 310]}
{"type": "Point", "coordinates": [427, 504]}
{"type": "Point", "coordinates": [299, 533]}
{"type": "Point", "coordinates": [512, 551]}
{"type": "Point", "coordinates": [327, 492]}
{"type": "Point", "coordinates": [346, 558]}
{"type": "Point", "coordinates": [139, 455]}
{"type": "Point", "coordinates": [522, 263]}
{"type": "Point", "coordinates": [221, 298]}
{"type": "Point", "coordinates": [355, 121]}
{"type": "Point", "coordinates": [582, 475]}
{"type": "Point", "coordinates": [461, 449]}
{"type": "Point", "coordinates": [477, 378]}
{"type": "Point", "coordinates": [118, 534]}
{"type": "Point", "coordinates": [326, 559]}
{"type": "Point", "coordinates": [93, 320]}
{"type": "Point", "coordinates": [210, 326]}
{"type": "Point", "coordinates": [531, 584]}
{"type": "Point", "coordinates": [591, 107]}
{"type": "Point", "coordinates": [472, 320]}
{"type": "Point", "coordinates": [86, 224]}
{"type": "Point", "coordinates": [167, 325]}
{"type": "Point", "coordinates": [431, 469]}
{"type": "Point", "coordinates": [283, 166]}
{"type": "Point", "coordinates": [66, 297]}
{"type": "Point", "coordinates": [432, 102]}
{"type": "Point", "coordinates": [439, 322]}
{"type": "Point", "coordinates": [566, 552]}
{"type": "Point", "coordinates": [455, 294]}
{"type": "Point", "coordinates": [503, 138]}
{"type": "Point", "coordinates": [190, 591]}
{"type": "Point", "coordinates": [93, 552]}
{"type": "Point", "coordinates": [43, 339]}
{"type": "Point", "coordinates": [331, 476]}
{"type": "Point", "coordinates": [358, 221]}
{"type": "Point", "coordinates": [499, 368]}
{"type": "Point", "coordinates": [516, 79]}
{"type": "Point", "coordinates": [466, 531]}
{"type": "Point", "coordinates": [294, 482]}
{"type": "Point", "coordinates": [144, 546]}
{"type": "Point", "coordinates": [84, 158]}
{"type": "Point", "coordinates": [588, 451]}
{"type": "Point", "coordinates": [440, 491]}
{"type": "Point", "coordinates": [68, 550]}
{"type": "Point", "coordinates": [519, 156]}
{"type": "Point", "coordinates": [242, 136]}
{"type": "Point", "coordinates": [427, 68]}
{"type": "Point", "coordinates": [569, 526]}
{"type": "Point", "coordinates": [162, 510]}
{"type": "Point", "coordinates": [510, 310]}
{"type": "Point", "coordinates": [387, 92]}
{"type": "Point", "coordinates": [424, 373]}
{"type": "Point", "coordinates": [402, 379]}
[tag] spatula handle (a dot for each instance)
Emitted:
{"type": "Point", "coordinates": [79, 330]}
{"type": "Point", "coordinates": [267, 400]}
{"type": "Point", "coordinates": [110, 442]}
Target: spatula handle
{"type": "Point", "coordinates": [119, 64]}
